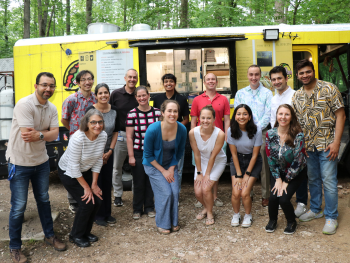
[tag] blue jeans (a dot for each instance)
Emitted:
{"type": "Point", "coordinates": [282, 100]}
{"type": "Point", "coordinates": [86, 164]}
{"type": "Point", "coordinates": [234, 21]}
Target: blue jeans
{"type": "Point", "coordinates": [166, 197]}
{"type": "Point", "coordinates": [321, 170]}
{"type": "Point", "coordinates": [180, 167]}
{"type": "Point", "coordinates": [39, 176]}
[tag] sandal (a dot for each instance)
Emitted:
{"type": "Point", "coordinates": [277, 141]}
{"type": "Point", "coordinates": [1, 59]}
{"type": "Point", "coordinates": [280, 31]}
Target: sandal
{"type": "Point", "coordinates": [163, 231]}
{"type": "Point", "coordinates": [175, 228]}
{"type": "Point", "coordinates": [209, 221]}
{"type": "Point", "coordinates": [201, 216]}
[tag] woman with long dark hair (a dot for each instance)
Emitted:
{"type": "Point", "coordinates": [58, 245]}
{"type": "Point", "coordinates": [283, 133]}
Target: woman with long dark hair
{"type": "Point", "coordinates": [244, 139]}
{"type": "Point", "coordinates": [285, 150]}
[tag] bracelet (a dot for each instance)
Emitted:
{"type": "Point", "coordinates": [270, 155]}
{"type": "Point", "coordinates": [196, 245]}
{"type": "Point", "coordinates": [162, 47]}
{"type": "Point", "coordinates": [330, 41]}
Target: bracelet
{"type": "Point", "coordinates": [111, 150]}
{"type": "Point", "coordinates": [239, 176]}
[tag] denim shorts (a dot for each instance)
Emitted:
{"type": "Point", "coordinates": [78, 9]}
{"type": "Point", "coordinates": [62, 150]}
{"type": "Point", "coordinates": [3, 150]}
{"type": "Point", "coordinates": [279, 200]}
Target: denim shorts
{"type": "Point", "coordinates": [244, 160]}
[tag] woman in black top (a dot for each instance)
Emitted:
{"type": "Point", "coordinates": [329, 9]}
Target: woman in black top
{"type": "Point", "coordinates": [111, 122]}
{"type": "Point", "coordinates": [169, 83]}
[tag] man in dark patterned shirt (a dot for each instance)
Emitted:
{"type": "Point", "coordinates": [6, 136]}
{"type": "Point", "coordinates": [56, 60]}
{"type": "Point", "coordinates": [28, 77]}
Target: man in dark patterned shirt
{"type": "Point", "coordinates": [320, 111]}
{"type": "Point", "coordinates": [73, 109]}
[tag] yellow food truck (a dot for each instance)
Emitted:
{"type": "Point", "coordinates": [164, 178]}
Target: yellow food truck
{"type": "Point", "coordinates": [187, 53]}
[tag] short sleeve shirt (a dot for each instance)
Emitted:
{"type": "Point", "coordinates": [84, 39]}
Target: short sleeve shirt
{"type": "Point", "coordinates": [245, 145]}
{"type": "Point", "coordinates": [219, 103]}
{"type": "Point", "coordinates": [184, 109]}
{"type": "Point", "coordinates": [140, 121]}
{"type": "Point", "coordinates": [29, 113]}
{"type": "Point", "coordinates": [74, 107]}
{"type": "Point", "coordinates": [316, 114]}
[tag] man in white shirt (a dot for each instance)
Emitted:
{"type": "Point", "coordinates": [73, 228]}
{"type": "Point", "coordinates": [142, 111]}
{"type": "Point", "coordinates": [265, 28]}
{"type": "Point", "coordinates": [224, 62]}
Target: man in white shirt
{"type": "Point", "coordinates": [284, 95]}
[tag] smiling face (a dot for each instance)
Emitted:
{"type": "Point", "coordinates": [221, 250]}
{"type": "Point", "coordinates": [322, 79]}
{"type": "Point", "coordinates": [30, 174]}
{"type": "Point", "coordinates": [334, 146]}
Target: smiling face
{"type": "Point", "coordinates": [171, 113]}
{"type": "Point", "coordinates": [169, 84]}
{"type": "Point", "coordinates": [102, 95]}
{"type": "Point", "coordinates": [210, 81]}
{"type": "Point", "coordinates": [306, 75]}
{"type": "Point", "coordinates": [131, 79]}
{"type": "Point", "coordinates": [86, 82]}
{"type": "Point", "coordinates": [284, 116]}
{"type": "Point", "coordinates": [142, 97]}
{"type": "Point", "coordinates": [42, 91]}
{"type": "Point", "coordinates": [206, 119]}
{"type": "Point", "coordinates": [279, 82]}
{"type": "Point", "coordinates": [242, 117]}
{"type": "Point", "coordinates": [95, 125]}
{"type": "Point", "coordinates": [254, 77]}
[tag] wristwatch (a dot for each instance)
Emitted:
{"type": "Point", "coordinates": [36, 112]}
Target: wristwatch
{"type": "Point", "coordinates": [248, 173]}
{"type": "Point", "coordinates": [239, 176]}
{"type": "Point", "coordinates": [111, 150]}
{"type": "Point", "coordinates": [41, 136]}
{"type": "Point", "coordinates": [199, 172]}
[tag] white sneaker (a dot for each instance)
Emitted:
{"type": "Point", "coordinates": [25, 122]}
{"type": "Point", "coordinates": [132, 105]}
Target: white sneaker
{"type": "Point", "coordinates": [300, 210]}
{"type": "Point", "coordinates": [247, 221]}
{"type": "Point", "coordinates": [236, 219]}
{"type": "Point", "coordinates": [198, 204]}
{"type": "Point", "coordinates": [330, 227]}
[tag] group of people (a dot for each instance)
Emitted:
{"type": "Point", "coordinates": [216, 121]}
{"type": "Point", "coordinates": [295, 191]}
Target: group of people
{"type": "Point", "coordinates": [300, 147]}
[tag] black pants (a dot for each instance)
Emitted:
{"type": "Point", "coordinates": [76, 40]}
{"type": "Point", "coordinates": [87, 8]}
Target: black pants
{"type": "Point", "coordinates": [284, 200]}
{"type": "Point", "coordinates": [105, 184]}
{"type": "Point", "coordinates": [85, 216]}
{"type": "Point", "coordinates": [143, 193]}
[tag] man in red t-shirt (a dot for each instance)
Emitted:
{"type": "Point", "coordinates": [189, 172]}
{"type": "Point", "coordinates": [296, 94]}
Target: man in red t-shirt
{"type": "Point", "coordinates": [222, 112]}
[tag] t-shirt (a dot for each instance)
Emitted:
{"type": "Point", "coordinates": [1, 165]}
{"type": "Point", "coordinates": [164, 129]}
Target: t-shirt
{"type": "Point", "coordinates": [184, 109]}
{"type": "Point", "coordinates": [29, 113]}
{"type": "Point", "coordinates": [140, 121]}
{"type": "Point", "coordinates": [111, 124]}
{"type": "Point", "coordinates": [245, 145]}
{"type": "Point", "coordinates": [219, 103]}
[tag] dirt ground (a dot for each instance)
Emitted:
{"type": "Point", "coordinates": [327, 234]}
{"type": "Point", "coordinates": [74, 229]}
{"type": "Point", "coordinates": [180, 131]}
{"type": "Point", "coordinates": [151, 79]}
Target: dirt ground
{"type": "Point", "coordinates": [137, 240]}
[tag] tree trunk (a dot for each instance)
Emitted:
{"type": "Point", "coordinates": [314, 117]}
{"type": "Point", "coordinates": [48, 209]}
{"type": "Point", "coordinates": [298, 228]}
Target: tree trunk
{"type": "Point", "coordinates": [26, 22]}
{"type": "Point", "coordinates": [88, 13]}
{"type": "Point", "coordinates": [6, 36]}
{"type": "Point", "coordinates": [184, 14]}
{"type": "Point", "coordinates": [42, 17]}
{"type": "Point", "coordinates": [124, 14]}
{"type": "Point", "coordinates": [279, 12]}
{"type": "Point", "coordinates": [296, 5]}
{"type": "Point", "coordinates": [68, 17]}
{"type": "Point", "coordinates": [49, 25]}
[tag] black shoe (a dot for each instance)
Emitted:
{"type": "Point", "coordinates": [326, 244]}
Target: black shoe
{"type": "Point", "coordinates": [80, 242]}
{"type": "Point", "coordinates": [118, 201]}
{"type": "Point", "coordinates": [291, 227]}
{"type": "Point", "coordinates": [101, 222]}
{"type": "Point", "coordinates": [91, 238]}
{"type": "Point", "coordinates": [271, 226]}
{"type": "Point", "coordinates": [111, 220]}
{"type": "Point", "coordinates": [73, 207]}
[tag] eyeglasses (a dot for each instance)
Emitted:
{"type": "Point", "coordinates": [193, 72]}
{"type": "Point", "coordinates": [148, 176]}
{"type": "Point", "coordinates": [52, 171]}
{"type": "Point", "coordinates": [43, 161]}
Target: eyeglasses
{"type": "Point", "coordinates": [45, 86]}
{"type": "Point", "coordinates": [89, 80]}
{"type": "Point", "coordinates": [94, 123]}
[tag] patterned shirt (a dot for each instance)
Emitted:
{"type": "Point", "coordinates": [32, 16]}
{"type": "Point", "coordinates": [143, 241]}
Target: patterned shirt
{"type": "Point", "coordinates": [285, 160]}
{"type": "Point", "coordinates": [316, 114]}
{"type": "Point", "coordinates": [74, 107]}
{"type": "Point", "coordinates": [140, 121]}
{"type": "Point", "coordinates": [259, 101]}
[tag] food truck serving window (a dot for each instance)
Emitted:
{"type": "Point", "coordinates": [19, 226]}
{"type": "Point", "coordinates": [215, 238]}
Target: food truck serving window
{"type": "Point", "coordinates": [189, 65]}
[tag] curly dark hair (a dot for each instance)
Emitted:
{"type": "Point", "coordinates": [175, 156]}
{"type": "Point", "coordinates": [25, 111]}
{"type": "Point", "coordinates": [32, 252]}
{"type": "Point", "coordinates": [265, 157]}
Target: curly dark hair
{"type": "Point", "coordinates": [251, 128]}
{"type": "Point", "coordinates": [294, 126]}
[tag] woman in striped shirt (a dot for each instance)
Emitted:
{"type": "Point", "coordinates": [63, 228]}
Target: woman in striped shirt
{"type": "Point", "coordinates": [79, 168]}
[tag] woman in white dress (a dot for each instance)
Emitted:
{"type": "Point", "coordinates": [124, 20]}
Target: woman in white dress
{"type": "Point", "coordinates": [206, 142]}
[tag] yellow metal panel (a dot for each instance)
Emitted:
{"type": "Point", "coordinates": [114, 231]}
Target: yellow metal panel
{"type": "Point", "coordinates": [325, 37]}
{"type": "Point", "coordinates": [313, 49]}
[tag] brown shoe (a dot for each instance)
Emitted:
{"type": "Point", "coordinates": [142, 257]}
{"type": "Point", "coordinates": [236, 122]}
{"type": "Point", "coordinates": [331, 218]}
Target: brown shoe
{"type": "Point", "coordinates": [265, 202]}
{"type": "Point", "coordinates": [17, 256]}
{"type": "Point", "coordinates": [55, 243]}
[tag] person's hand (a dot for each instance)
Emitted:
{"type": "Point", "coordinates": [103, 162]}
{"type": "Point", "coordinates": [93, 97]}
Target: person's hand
{"type": "Point", "coordinates": [237, 182]}
{"type": "Point", "coordinates": [88, 195]}
{"type": "Point", "coordinates": [283, 188]}
{"type": "Point", "coordinates": [31, 135]}
{"type": "Point", "coordinates": [169, 176]}
{"type": "Point", "coordinates": [199, 180]}
{"type": "Point", "coordinates": [106, 156]}
{"type": "Point", "coordinates": [132, 161]}
{"type": "Point", "coordinates": [245, 180]}
{"type": "Point", "coordinates": [333, 150]}
{"type": "Point", "coordinates": [277, 187]}
{"type": "Point", "coordinates": [96, 191]}
{"type": "Point", "coordinates": [206, 181]}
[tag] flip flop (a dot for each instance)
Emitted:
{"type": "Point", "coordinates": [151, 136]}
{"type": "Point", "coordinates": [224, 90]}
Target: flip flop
{"type": "Point", "coordinates": [175, 228]}
{"type": "Point", "coordinates": [201, 216]}
{"type": "Point", "coordinates": [209, 221]}
{"type": "Point", "coordinates": [163, 231]}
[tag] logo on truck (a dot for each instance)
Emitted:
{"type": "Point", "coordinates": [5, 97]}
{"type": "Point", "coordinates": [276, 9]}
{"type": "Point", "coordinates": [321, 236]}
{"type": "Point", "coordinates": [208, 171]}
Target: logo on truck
{"type": "Point", "coordinates": [70, 74]}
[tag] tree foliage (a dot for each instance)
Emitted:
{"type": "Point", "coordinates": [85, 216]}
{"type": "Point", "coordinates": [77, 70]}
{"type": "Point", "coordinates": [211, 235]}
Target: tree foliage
{"type": "Point", "coordinates": [65, 17]}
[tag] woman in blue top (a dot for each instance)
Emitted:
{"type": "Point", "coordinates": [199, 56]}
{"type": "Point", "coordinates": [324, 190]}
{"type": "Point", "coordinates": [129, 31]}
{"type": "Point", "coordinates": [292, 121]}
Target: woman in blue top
{"type": "Point", "coordinates": [244, 139]}
{"type": "Point", "coordinates": [163, 147]}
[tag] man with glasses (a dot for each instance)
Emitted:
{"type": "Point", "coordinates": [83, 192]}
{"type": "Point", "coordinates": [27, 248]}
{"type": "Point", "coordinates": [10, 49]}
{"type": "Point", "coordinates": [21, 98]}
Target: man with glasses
{"type": "Point", "coordinates": [73, 109]}
{"type": "Point", "coordinates": [35, 121]}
